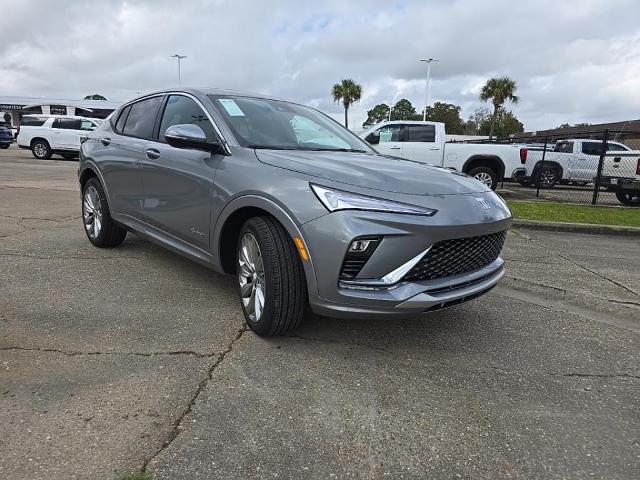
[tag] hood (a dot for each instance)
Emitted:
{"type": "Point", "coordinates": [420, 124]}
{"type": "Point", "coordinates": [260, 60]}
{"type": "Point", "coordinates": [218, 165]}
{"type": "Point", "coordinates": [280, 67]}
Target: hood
{"type": "Point", "coordinates": [377, 172]}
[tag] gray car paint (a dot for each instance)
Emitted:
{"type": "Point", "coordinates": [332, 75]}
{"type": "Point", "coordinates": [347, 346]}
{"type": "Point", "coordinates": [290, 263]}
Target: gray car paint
{"type": "Point", "coordinates": [183, 199]}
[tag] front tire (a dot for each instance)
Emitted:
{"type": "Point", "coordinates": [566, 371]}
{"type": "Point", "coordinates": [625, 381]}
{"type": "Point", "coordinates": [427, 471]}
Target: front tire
{"type": "Point", "coordinates": [485, 175]}
{"type": "Point", "coordinates": [628, 198]}
{"type": "Point", "coordinates": [41, 150]}
{"type": "Point", "coordinates": [100, 228]}
{"type": "Point", "coordinates": [271, 281]}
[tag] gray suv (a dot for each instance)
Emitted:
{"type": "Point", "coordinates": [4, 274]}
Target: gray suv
{"type": "Point", "coordinates": [300, 210]}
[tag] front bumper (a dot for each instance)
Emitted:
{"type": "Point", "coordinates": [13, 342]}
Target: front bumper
{"type": "Point", "coordinates": [403, 238]}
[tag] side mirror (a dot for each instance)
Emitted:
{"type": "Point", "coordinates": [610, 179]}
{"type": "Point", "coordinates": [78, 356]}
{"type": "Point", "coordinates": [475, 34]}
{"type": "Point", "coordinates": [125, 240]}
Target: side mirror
{"type": "Point", "coordinates": [190, 136]}
{"type": "Point", "coordinates": [373, 138]}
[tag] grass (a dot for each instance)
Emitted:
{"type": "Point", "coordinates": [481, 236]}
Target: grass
{"type": "Point", "coordinates": [137, 476]}
{"type": "Point", "coordinates": [559, 212]}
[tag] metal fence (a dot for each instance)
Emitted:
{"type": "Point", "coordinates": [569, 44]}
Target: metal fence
{"type": "Point", "coordinates": [597, 168]}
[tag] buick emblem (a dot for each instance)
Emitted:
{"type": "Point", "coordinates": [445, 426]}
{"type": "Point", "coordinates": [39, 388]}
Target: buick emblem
{"type": "Point", "coordinates": [483, 203]}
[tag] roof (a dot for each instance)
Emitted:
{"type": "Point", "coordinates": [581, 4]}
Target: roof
{"type": "Point", "coordinates": [33, 101]}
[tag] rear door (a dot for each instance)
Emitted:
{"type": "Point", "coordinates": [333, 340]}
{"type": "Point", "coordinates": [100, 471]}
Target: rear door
{"type": "Point", "coordinates": [178, 182]}
{"type": "Point", "coordinates": [121, 150]}
{"type": "Point", "coordinates": [421, 144]}
{"type": "Point", "coordinates": [64, 133]}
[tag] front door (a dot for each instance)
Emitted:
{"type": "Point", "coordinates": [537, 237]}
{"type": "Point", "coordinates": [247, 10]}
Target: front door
{"type": "Point", "coordinates": [178, 183]}
{"type": "Point", "coordinates": [390, 140]}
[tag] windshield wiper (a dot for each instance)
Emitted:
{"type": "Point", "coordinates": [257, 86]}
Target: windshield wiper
{"type": "Point", "coordinates": [335, 150]}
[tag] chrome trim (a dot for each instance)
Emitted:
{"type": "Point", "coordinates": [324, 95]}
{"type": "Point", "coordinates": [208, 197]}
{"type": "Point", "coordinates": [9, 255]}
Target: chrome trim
{"type": "Point", "coordinates": [386, 282]}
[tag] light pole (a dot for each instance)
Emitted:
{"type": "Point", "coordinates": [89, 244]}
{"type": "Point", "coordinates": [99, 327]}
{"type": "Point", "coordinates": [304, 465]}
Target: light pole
{"type": "Point", "coordinates": [179, 57]}
{"type": "Point", "coordinates": [426, 95]}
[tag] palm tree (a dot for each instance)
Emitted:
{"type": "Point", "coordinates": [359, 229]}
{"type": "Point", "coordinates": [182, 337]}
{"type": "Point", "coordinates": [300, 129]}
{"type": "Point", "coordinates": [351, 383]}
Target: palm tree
{"type": "Point", "coordinates": [499, 90]}
{"type": "Point", "coordinates": [348, 91]}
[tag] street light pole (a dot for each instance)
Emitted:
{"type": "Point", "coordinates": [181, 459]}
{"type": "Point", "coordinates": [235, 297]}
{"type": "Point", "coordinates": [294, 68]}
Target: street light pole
{"type": "Point", "coordinates": [179, 57]}
{"type": "Point", "coordinates": [426, 95]}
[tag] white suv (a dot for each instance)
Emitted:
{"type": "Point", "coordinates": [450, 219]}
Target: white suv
{"type": "Point", "coordinates": [46, 135]}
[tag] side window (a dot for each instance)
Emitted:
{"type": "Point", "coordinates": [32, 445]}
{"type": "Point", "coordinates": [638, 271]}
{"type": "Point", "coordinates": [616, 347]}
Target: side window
{"type": "Point", "coordinates": [390, 133]}
{"type": "Point", "coordinates": [421, 133]}
{"type": "Point", "coordinates": [66, 123]}
{"type": "Point", "coordinates": [122, 118]}
{"type": "Point", "coordinates": [564, 147]}
{"type": "Point", "coordinates": [183, 110]}
{"type": "Point", "coordinates": [142, 118]}
{"type": "Point", "coordinates": [591, 148]}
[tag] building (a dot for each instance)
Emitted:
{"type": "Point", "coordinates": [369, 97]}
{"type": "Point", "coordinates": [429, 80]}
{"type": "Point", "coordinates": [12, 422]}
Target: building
{"type": "Point", "coordinates": [628, 130]}
{"type": "Point", "coordinates": [16, 107]}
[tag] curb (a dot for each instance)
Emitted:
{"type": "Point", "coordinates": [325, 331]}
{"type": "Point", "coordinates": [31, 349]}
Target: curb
{"type": "Point", "coordinates": [577, 227]}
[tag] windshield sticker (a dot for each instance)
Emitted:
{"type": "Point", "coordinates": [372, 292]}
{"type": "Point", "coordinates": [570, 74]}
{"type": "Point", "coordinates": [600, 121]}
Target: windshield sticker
{"type": "Point", "coordinates": [231, 107]}
{"type": "Point", "coordinates": [386, 134]}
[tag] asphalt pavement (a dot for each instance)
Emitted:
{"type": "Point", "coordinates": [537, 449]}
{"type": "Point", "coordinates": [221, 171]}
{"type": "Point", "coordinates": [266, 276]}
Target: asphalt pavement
{"type": "Point", "coordinates": [113, 361]}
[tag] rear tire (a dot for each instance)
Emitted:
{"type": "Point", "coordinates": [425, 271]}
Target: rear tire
{"type": "Point", "coordinates": [4, 145]}
{"type": "Point", "coordinates": [41, 150]}
{"type": "Point", "coordinates": [271, 281]}
{"type": "Point", "coordinates": [628, 198]}
{"type": "Point", "coordinates": [100, 228]}
{"type": "Point", "coordinates": [546, 177]}
{"type": "Point", "coordinates": [485, 175]}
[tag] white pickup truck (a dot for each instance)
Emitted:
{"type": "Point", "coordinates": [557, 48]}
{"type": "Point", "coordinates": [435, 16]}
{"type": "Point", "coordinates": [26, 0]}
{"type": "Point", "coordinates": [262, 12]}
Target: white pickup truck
{"type": "Point", "coordinates": [425, 142]}
{"type": "Point", "coordinates": [568, 161]}
{"type": "Point", "coordinates": [621, 174]}
{"type": "Point", "coordinates": [46, 135]}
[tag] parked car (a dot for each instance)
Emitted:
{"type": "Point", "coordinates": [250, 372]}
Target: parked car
{"type": "Point", "coordinates": [621, 174]}
{"type": "Point", "coordinates": [568, 161]}
{"type": "Point", "coordinates": [425, 142]}
{"type": "Point", "coordinates": [56, 134]}
{"type": "Point", "coordinates": [6, 136]}
{"type": "Point", "coordinates": [299, 209]}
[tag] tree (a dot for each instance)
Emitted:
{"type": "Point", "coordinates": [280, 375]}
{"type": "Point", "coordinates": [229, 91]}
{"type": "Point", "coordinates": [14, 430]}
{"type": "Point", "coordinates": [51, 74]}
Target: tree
{"type": "Point", "coordinates": [95, 96]}
{"type": "Point", "coordinates": [503, 125]}
{"type": "Point", "coordinates": [404, 110]}
{"type": "Point", "coordinates": [472, 127]}
{"type": "Point", "coordinates": [349, 92]}
{"type": "Point", "coordinates": [376, 115]}
{"type": "Point", "coordinates": [499, 90]}
{"type": "Point", "coordinates": [448, 114]}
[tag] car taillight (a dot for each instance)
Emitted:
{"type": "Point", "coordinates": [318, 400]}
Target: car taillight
{"type": "Point", "coordinates": [638, 167]}
{"type": "Point", "coordinates": [523, 155]}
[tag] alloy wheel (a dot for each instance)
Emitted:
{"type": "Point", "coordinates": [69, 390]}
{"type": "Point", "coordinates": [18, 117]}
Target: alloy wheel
{"type": "Point", "coordinates": [251, 277]}
{"type": "Point", "coordinates": [484, 178]}
{"type": "Point", "coordinates": [40, 150]}
{"type": "Point", "coordinates": [548, 177]}
{"type": "Point", "coordinates": [92, 212]}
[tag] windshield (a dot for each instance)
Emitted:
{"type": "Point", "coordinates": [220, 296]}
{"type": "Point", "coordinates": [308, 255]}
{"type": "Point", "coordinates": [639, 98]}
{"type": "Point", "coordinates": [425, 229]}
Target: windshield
{"type": "Point", "coordinates": [263, 123]}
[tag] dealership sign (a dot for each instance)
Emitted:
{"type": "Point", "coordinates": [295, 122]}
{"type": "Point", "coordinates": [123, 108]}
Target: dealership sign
{"type": "Point", "coordinates": [6, 107]}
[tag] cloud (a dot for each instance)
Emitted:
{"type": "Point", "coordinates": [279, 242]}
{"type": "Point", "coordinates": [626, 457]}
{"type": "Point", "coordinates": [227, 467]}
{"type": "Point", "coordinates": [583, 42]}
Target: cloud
{"type": "Point", "coordinates": [573, 61]}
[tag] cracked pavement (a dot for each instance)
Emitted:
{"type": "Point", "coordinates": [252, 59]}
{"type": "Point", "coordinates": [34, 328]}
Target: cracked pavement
{"type": "Point", "coordinates": [116, 361]}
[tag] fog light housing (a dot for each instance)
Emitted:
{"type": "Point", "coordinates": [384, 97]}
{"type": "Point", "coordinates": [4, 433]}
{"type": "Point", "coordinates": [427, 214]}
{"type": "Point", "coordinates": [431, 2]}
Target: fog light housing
{"type": "Point", "coordinates": [359, 252]}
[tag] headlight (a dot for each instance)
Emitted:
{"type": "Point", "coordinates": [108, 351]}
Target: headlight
{"type": "Point", "coordinates": [339, 200]}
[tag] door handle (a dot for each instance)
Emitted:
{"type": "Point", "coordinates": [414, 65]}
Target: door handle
{"type": "Point", "coordinates": [105, 141]}
{"type": "Point", "coordinates": [152, 153]}
{"type": "Point", "coordinates": [434, 148]}
{"type": "Point", "coordinates": [394, 148]}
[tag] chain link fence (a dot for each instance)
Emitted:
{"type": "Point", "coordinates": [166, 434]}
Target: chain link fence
{"type": "Point", "coordinates": [597, 168]}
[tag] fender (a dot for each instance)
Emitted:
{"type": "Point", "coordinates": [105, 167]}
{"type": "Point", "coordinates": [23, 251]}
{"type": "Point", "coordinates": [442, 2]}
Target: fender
{"type": "Point", "coordinates": [88, 164]}
{"type": "Point", "coordinates": [274, 209]}
{"type": "Point", "coordinates": [480, 158]}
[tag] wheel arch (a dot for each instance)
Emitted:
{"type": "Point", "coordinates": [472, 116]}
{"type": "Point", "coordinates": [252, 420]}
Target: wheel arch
{"type": "Point", "coordinates": [35, 139]}
{"type": "Point", "coordinates": [492, 161]}
{"type": "Point", "coordinates": [228, 225]}
{"type": "Point", "coordinates": [549, 164]}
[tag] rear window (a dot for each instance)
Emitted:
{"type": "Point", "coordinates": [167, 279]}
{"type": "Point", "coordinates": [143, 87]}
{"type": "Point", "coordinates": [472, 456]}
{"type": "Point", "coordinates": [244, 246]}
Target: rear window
{"type": "Point", "coordinates": [122, 118]}
{"type": "Point", "coordinates": [32, 121]}
{"type": "Point", "coordinates": [421, 133]}
{"type": "Point", "coordinates": [142, 118]}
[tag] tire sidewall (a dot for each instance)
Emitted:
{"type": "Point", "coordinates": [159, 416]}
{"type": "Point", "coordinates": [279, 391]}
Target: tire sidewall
{"type": "Point", "coordinates": [263, 326]}
{"type": "Point", "coordinates": [492, 174]}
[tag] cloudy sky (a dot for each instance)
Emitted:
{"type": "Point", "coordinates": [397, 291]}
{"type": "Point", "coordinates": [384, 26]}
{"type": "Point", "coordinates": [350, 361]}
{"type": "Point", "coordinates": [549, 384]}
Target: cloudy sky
{"type": "Point", "coordinates": [573, 61]}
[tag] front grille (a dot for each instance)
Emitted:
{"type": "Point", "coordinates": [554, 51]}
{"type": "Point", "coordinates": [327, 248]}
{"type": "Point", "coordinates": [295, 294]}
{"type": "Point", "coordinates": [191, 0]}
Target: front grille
{"type": "Point", "coordinates": [456, 256]}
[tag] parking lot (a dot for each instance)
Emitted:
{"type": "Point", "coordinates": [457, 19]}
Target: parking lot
{"type": "Point", "coordinates": [117, 360]}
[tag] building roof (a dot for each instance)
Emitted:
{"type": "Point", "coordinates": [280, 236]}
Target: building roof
{"type": "Point", "coordinates": [631, 126]}
{"type": "Point", "coordinates": [33, 101]}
